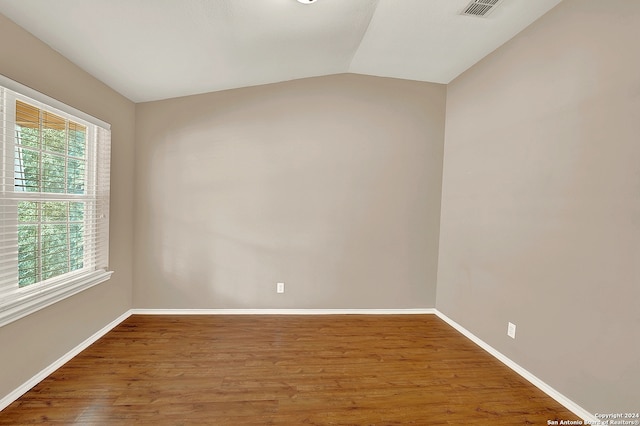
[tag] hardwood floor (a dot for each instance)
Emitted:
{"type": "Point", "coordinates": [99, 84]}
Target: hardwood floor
{"type": "Point", "coordinates": [284, 370]}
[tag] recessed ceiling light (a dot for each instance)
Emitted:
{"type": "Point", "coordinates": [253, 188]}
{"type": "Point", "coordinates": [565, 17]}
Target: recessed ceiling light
{"type": "Point", "coordinates": [307, 1]}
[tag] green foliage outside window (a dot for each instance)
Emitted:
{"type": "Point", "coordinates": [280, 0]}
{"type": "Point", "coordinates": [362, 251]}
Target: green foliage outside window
{"type": "Point", "coordinates": [50, 233]}
{"type": "Point", "coordinates": [50, 239]}
{"type": "Point", "coordinates": [50, 167]}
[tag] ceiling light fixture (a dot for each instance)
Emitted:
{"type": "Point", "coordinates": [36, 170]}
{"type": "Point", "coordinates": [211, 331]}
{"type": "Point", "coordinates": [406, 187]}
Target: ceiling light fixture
{"type": "Point", "coordinates": [307, 1]}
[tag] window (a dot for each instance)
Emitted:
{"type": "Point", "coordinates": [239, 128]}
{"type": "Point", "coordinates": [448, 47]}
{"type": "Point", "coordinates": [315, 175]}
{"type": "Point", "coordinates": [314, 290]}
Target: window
{"type": "Point", "coordinates": [54, 195]}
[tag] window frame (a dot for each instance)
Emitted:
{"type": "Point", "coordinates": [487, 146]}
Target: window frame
{"type": "Point", "coordinates": [15, 301]}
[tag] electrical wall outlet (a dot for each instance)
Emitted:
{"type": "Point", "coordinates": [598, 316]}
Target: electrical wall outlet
{"type": "Point", "coordinates": [511, 330]}
{"type": "Point", "coordinates": [280, 288]}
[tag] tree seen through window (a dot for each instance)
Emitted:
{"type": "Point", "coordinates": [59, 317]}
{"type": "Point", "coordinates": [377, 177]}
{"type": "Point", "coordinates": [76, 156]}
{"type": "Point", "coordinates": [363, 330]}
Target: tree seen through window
{"type": "Point", "coordinates": [50, 158]}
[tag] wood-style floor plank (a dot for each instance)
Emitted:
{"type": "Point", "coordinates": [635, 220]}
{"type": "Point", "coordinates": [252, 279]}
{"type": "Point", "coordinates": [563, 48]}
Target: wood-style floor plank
{"type": "Point", "coordinates": [284, 370]}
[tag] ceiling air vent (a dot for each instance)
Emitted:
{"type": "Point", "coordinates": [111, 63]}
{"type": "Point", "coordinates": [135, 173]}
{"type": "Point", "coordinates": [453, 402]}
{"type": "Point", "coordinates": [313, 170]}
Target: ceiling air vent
{"type": "Point", "coordinates": [480, 7]}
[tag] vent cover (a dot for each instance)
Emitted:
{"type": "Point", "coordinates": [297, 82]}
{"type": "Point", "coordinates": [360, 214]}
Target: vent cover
{"type": "Point", "coordinates": [480, 7]}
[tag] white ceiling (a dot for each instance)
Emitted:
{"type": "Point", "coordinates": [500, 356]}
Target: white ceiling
{"type": "Point", "coordinates": [157, 49]}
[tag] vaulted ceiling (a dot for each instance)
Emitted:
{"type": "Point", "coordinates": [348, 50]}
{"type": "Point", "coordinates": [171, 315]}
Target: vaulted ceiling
{"type": "Point", "coordinates": [157, 49]}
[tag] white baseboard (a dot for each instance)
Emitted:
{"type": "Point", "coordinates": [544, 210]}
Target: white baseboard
{"type": "Point", "coordinates": [566, 402]}
{"type": "Point", "coordinates": [282, 311]}
{"type": "Point", "coordinates": [17, 393]}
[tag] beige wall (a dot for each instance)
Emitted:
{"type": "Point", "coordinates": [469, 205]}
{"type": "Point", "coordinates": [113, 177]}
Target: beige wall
{"type": "Point", "coordinates": [34, 342]}
{"type": "Point", "coordinates": [541, 202]}
{"type": "Point", "coordinates": [329, 184]}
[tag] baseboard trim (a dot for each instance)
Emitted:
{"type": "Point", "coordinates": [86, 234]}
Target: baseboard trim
{"type": "Point", "coordinates": [423, 311]}
{"type": "Point", "coordinates": [21, 390]}
{"type": "Point", "coordinates": [563, 400]}
{"type": "Point", "coordinates": [566, 402]}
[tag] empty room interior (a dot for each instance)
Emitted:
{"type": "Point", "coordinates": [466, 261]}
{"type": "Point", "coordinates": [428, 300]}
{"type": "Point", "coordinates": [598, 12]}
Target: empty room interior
{"type": "Point", "coordinates": [322, 212]}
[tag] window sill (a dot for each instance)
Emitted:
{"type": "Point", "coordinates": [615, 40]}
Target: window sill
{"type": "Point", "coordinates": [23, 302]}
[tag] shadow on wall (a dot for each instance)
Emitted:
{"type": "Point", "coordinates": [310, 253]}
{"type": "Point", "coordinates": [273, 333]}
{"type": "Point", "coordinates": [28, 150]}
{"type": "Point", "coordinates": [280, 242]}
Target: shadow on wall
{"type": "Point", "coordinates": [332, 197]}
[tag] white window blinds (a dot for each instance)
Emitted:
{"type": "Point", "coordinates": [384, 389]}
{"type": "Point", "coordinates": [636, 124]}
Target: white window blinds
{"type": "Point", "coordinates": [54, 200]}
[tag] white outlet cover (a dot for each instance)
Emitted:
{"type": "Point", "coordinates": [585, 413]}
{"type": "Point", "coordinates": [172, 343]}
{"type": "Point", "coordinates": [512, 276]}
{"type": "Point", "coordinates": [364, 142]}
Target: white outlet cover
{"type": "Point", "coordinates": [280, 287]}
{"type": "Point", "coordinates": [511, 330]}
